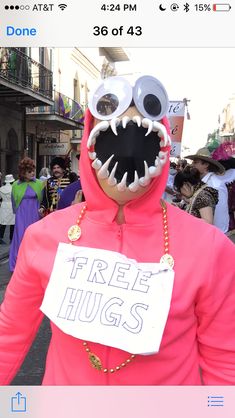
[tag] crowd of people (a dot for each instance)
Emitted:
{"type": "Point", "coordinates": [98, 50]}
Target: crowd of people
{"type": "Point", "coordinates": [206, 182]}
{"type": "Point", "coordinates": [28, 199]}
{"type": "Point", "coordinates": [204, 188]}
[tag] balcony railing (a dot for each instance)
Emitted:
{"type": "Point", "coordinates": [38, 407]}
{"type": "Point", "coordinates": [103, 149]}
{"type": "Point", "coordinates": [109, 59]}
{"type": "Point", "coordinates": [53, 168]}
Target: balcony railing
{"type": "Point", "coordinates": [63, 106]}
{"type": "Point", "coordinates": [19, 68]}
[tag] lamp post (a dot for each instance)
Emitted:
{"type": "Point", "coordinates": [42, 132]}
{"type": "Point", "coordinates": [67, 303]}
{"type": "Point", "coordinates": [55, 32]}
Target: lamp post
{"type": "Point", "coordinates": [186, 101]}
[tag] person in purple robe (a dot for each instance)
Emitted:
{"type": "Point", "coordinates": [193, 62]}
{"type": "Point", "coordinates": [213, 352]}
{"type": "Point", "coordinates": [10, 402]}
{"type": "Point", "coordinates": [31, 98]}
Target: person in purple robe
{"type": "Point", "coordinates": [26, 197]}
{"type": "Point", "coordinates": [72, 194]}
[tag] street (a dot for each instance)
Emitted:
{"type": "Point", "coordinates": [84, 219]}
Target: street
{"type": "Point", "coordinates": [32, 370]}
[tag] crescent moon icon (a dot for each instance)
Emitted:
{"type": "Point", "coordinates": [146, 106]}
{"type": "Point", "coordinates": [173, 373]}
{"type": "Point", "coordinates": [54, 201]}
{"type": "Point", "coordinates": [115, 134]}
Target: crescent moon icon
{"type": "Point", "coordinates": [161, 8]}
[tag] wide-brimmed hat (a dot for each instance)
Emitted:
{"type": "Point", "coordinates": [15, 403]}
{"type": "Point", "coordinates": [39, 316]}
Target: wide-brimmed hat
{"type": "Point", "coordinates": [9, 178]}
{"type": "Point", "coordinates": [205, 155]}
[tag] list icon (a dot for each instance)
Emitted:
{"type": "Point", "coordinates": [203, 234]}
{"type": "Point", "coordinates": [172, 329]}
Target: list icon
{"type": "Point", "coordinates": [215, 401]}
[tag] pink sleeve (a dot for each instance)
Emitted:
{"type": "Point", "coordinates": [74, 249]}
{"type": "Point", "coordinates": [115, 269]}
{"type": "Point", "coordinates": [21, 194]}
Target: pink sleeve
{"type": "Point", "coordinates": [20, 316]}
{"type": "Point", "coordinates": [215, 310]}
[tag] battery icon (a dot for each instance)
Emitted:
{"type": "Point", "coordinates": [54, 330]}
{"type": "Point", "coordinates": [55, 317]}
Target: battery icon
{"type": "Point", "coordinates": [221, 7]}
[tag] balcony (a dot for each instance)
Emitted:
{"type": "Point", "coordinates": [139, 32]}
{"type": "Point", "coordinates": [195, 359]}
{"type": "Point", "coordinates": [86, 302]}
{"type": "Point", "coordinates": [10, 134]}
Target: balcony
{"type": "Point", "coordinates": [64, 114]}
{"type": "Point", "coordinates": [23, 81]}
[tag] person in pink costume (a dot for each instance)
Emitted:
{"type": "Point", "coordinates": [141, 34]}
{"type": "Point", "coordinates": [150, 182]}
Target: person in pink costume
{"type": "Point", "coordinates": [124, 169]}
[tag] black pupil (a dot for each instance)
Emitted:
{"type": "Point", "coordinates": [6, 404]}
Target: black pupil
{"type": "Point", "coordinates": [107, 104]}
{"type": "Point", "coordinates": [152, 105]}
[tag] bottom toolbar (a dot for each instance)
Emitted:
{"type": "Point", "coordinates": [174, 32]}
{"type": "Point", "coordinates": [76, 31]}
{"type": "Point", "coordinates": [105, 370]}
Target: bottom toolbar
{"type": "Point", "coordinates": [116, 402]}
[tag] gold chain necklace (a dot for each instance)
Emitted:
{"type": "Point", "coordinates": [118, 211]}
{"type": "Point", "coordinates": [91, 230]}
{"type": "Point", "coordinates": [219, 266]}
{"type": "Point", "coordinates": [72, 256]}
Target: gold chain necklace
{"type": "Point", "coordinates": [74, 233]}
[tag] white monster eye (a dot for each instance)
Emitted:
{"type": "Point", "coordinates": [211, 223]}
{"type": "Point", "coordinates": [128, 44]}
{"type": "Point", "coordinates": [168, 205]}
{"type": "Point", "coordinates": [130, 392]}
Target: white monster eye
{"type": "Point", "coordinates": [150, 98]}
{"type": "Point", "coordinates": [112, 97]}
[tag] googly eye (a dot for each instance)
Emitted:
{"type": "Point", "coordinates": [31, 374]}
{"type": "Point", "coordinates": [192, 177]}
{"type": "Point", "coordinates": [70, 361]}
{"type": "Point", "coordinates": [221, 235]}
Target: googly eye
{"type": "Point", "coordinates": [150, 98]}
{"type": "Point", "coordinates": [112, 97]}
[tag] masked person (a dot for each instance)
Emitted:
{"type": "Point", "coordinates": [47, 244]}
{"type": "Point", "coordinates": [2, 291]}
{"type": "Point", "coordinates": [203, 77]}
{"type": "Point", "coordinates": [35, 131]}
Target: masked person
{"type": "Point", "coordinates": [135, 300]}
{"type": "Point", "coordinates": [54, 186]}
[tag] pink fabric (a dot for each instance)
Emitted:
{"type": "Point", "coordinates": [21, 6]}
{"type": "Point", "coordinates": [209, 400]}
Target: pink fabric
{"type": "Point", "coordinates": [200, 330]}
{"type": "Point", "coordinates": [224, 151]}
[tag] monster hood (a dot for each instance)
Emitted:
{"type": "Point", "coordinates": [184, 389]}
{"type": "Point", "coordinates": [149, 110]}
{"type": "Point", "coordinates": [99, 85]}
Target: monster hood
{"type": "Point", "coordinates": [129, 147]}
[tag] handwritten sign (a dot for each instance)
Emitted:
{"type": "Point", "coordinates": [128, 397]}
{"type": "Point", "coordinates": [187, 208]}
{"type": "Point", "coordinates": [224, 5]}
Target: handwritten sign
{"type": "Point", "coordinates": [102, 296]}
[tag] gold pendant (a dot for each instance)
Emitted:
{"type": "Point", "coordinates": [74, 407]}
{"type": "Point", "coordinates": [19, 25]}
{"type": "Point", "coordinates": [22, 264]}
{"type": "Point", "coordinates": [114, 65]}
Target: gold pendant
{"type": "Point", "coordinates": [168, 259]}
{"type": "Point", "coordinates": [95, 361]}
{"type": "Point", "coordinates": [74, 233]}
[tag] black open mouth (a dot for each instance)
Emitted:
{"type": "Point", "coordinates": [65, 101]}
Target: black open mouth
{"type": "Point", "coordinates": [130, 148]}
{"type": "Point", "coordinates": [128, 152]}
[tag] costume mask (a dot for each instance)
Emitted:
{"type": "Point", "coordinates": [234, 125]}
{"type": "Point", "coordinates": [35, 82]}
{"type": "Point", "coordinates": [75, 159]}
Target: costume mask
{"type": "Point", "coordinates": [126, 144]}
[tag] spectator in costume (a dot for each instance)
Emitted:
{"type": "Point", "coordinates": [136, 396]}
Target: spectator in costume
{"type": "Point", "coordinates": [73, 193]}
{"type": "Point", "coordinates": [26, 198]}
{"type": "Point", "coordinates": [211, 172]}
{"type": "Point", "coordinates": [54, 186]}
{"type": "Point", "coordinates": [135, 300]}
{"type": "Point", "coordinates": [7, 217]}
{"type": "Point", "coordinates": [229, 179]}
{"type": "Point", "coordinates": [225, 154]}
{"type": "Point", "coordinates": [200, 199]}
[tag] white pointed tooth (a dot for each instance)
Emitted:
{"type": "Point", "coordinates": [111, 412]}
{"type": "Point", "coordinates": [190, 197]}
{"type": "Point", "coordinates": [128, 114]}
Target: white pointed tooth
{"type": "Point", "coordinates": [101, 126]}
{"type": "Point", "coordinates": [111, 180]}
{"type": "Point", "coordinates": [92, 139]}
{"type": "Point", "coordinates": [92, 155]}
{"type": "Point", "coordinates": [137, 120]}
{"type": "Point", "coordinates": [164, 141]}
{"type": "Point", "coordinates": [147, 123]}
{"type": "Point", "coordinates": [163, 157]}
{"type": "Point", "coordinates": [125, 121]}
{"type": "Point", "coordinates": [97, 164]}
{"type": "Point", "coordinates": [162, 133]}
{"type": "Point", "coordinates": [144, 181]}
{"type": "Point", "coordinates": [155, 171]}
{"type": "Point", "coordinates": [157, 127]}
{"type": "Point", "coordinates": [133, 187]}
{"type": "Point", "coordinates": [122, 185]}
{"type": "Point", "coordinates": [103, 172]}
{"type": "Point", "coordinates": [114, 123]}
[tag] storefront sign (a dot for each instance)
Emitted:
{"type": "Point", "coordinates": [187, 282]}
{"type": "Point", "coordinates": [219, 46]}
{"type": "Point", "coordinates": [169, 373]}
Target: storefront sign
{"type": "Point", "coordinates": [57, 148]}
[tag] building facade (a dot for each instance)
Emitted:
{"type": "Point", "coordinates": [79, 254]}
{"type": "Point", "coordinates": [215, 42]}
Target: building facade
{"type": "Point", "coordinates": [227, 121]}
{"type": "Point", "coordinates": [24, 82]}
{"type": "Point", "coordinates": [43, 95]}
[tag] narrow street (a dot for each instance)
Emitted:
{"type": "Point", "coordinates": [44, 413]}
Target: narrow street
{"type": "Point", "coordinates": [32, 370]}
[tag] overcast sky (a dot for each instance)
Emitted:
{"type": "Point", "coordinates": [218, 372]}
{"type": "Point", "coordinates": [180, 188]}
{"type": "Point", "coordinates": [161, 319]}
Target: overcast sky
{"type": "Point", "coordinates": [206, 76]}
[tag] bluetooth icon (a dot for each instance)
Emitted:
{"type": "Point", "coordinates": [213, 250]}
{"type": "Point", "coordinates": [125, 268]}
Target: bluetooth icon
{"type": "Point", "coordinates": [186, 7]}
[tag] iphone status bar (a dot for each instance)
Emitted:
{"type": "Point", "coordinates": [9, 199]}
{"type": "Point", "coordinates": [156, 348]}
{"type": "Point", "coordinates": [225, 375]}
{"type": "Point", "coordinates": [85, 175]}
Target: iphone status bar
{"type": "Point", "coordinates": [143, 24]}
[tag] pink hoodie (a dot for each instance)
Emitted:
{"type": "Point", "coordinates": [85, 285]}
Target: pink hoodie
{"type": "Point", "coordinates": [200, 329]}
